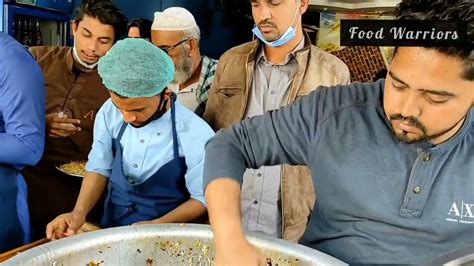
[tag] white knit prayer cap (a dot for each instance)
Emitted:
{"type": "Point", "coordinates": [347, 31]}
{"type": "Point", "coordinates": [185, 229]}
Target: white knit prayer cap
{"type": "Point", "coordinates": [173, 19]}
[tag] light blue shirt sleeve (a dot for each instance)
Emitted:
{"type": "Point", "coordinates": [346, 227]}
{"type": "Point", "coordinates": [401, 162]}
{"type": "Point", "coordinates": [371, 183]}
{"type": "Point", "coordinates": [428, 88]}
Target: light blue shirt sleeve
{"type": "Point", "coordinates": [101, 157]}
{"type": "Point", "coordinates": [22, 105]}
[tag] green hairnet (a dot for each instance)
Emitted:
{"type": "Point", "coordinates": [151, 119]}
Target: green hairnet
{"type": "Point", "coordinates": [136, 68]}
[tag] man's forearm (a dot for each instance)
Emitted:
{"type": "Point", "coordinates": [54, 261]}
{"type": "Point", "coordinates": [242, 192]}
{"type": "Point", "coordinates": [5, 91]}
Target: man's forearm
{"type": "Point", "coordinates": [92, 188]}
{"type": "Point", "coordinates": [223, 203]}
{"type": "Point", "coordinates": [186, 212]}
{"type": "Point", "coordinates": [18, 151]}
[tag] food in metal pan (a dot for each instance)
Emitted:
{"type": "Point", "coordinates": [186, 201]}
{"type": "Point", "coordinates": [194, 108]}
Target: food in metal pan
{"type": "Point", "coordinates": [77, 168]}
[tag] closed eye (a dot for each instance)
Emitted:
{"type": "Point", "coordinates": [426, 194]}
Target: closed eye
{"type": "Point", "coordinates": [275, 3]}
{"type": "Point", "coordinates": [436, 99]}
{"type": "Point", "coordinates": [105, 40]}
{"type": "Point", "coordinates": [398, 86]}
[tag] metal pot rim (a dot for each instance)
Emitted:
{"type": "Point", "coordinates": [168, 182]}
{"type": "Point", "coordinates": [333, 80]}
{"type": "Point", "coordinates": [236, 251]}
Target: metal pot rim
{"type": "Point", "coordinates": [47, 251]}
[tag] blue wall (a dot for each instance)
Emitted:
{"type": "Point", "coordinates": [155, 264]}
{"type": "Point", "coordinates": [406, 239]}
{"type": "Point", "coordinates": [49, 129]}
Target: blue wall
{"type": "Point", "coordinates": [139, 8]}
{"type": "Point", "coordinates": [217, 36]}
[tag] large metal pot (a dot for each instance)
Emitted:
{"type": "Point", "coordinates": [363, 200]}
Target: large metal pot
{"type": "Point", "coordinates": [167, 244]}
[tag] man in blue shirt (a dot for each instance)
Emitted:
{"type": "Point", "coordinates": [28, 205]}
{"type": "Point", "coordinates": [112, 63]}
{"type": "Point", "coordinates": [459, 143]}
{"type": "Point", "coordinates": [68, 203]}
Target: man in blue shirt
{"type": "Point", "coordinates": [392, 161]}
{"type": "Point", "coordinates": [21, 137]}
{"type": "Point", "coordinates": [148, 149]}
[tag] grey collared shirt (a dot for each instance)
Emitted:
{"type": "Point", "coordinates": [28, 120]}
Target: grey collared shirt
{"type": "Point", "coordinates": [261, 208]}
{"type": "Point", "coordinates": [379, 200]}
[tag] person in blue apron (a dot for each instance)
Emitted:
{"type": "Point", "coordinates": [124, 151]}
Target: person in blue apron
{"type": "Point", "coordinates": [148, 149]}
{"type": "Point", "coordinates": [21, 137]}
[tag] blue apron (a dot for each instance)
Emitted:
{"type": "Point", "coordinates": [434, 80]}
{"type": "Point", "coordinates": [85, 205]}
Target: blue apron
{"type": "Point", "coordinates": [165, 190]}
{"type": "Point", "coordinates": [14, 216]}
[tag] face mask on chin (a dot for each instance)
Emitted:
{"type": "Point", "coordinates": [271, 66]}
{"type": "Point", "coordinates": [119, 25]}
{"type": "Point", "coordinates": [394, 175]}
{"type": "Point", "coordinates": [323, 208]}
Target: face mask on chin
{"type": "Point", "coordinates": [79, 60]}
{"type": "Point", "coordinates": [289, 34]}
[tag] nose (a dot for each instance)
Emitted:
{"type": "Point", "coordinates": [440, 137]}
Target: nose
{"type": "Point", "coordinates": [92, 46]}
{"type": "Point", "coordinates": [410, 106]}
{"type": "Point", "coordinates": [129, 117]}
{"type": "Point", "coordinates": [263, 11]}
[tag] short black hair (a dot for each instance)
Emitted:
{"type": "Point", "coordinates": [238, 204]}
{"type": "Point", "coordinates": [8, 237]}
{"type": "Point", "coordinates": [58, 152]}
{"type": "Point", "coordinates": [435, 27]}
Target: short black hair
{"type": "Point", "coordinates": [143, 25]}
{"type": "Point", "coordinates": [106, 12]}
{"type": "Point", "coordinates": [454, 10]}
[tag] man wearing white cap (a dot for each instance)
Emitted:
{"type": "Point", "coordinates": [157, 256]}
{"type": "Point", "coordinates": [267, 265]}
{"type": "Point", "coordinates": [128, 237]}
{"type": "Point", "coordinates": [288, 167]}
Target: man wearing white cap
{"type": "Point", "coordinates": [175, 31]}
{"type": "Point", "coordinates": [148, 150]}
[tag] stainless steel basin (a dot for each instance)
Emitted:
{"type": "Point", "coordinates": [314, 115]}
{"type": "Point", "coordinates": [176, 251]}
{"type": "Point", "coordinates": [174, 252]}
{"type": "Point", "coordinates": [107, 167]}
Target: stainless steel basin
{"type": "Point", "coordinates": [166, 244]}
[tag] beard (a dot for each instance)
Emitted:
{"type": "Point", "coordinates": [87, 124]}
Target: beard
{"type": "Point", "coordinates": [184, 70]}
{"type": "Point", "coordinates": [272, 36]}
{"type": "Point", "coordinates": [424, 136]}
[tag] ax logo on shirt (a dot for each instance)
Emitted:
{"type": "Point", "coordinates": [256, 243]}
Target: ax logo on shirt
{"type": "Point", "coordinates": [90, 115]}
{"type": "Point", "coordinates": [461, 212]}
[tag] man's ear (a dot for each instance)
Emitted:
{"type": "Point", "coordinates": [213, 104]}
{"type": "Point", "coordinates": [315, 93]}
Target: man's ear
{"type": "Point", "coordinates": [193, 47]}
{"type": "Point", "coordinates": [74, 25]}
{"type": "Point", "coordinates": [303, 6]}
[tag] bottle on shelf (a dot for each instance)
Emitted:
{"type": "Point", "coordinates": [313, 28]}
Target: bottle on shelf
{"type": "Point", "coordinates": [38, 36]}
{"type": "Point", "coordinates": [25, 39]}
{"type": "Point", "coordinates": [18, 28]}
{"type": "Point", "coordinates": [31, 37]}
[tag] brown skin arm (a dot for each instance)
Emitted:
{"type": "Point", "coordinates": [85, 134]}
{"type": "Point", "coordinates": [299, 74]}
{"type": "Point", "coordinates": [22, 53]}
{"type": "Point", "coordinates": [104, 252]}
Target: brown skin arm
{"type": "Point", "coordinates": [186, 212]}
{"type": "Point", "coordinates": [68, 224]}
{"type": "Point", "coordinates": [232, 248]}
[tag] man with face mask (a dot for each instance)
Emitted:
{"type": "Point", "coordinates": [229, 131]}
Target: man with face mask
{"type": "Point", "coordinates": [392, 161]}
{"type": "Point", "coordinates": [264, 75]}
{"type": "Point", "coordinates": [74, 94]}
{"type": "Point", "coordinates": [148, 149]}
{"type": "Point", "coordinates": [175, 31]}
